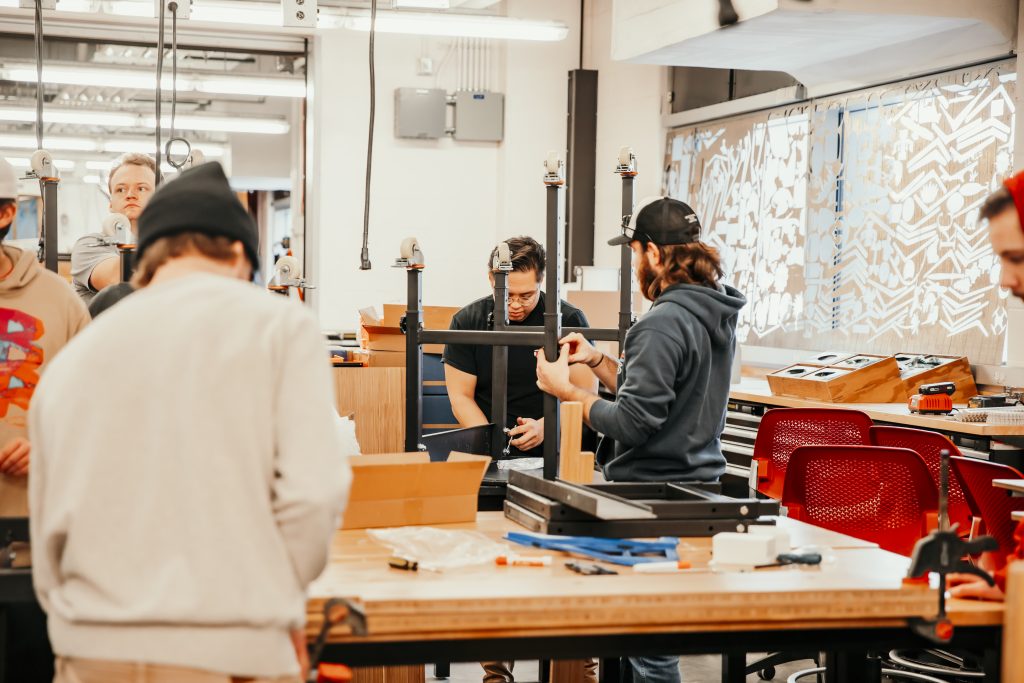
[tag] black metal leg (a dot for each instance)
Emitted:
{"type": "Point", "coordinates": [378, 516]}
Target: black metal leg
{"type": "Point", "coordinates": [3, 644]}
{"type": "Point", "coordinates": [851, 667]}
{"type": "Point", "coordinates": [734, 667]}
{"type": "Point", "coordinates": [544, 671]}
{"type": "Point", "coordinates": [993, 662]}
{"type": "Point", "coordinates": [609, 671]}
{"type": "Point", "coordinates": [442, 669]}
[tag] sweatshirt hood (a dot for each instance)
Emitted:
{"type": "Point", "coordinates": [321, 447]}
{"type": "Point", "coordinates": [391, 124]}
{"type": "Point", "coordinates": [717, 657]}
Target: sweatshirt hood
{"type": "Point", "coordinates": [25, 268]}
{"type": "Point", "coordinates": [717, 310]}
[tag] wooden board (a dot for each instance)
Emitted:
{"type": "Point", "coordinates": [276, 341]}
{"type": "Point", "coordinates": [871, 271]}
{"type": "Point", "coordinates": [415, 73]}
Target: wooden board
{"type": "Point", "coordinates": [376, 399]}
{"type": "Point", "coordinates": [754, 390]}
{"type": "Point", "coordinates": [573, 465]}
{"type": "Point", "coordinates": [862, 585]}
{"type": "Point", "coordinates": [1015, 486]}
{"type": "Point", "coordinates": [389, 674]}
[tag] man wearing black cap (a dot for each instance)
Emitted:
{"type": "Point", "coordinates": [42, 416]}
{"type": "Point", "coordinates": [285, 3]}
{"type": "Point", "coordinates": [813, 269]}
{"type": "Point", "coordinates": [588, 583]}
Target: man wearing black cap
{"type": "Point", "coordinates": [175, 537]}
{"type": "Point", "coordinates": [672, 386]}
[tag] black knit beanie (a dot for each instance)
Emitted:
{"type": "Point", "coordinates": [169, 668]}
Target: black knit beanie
{"type": "Point", "coordinates": [199, 200]}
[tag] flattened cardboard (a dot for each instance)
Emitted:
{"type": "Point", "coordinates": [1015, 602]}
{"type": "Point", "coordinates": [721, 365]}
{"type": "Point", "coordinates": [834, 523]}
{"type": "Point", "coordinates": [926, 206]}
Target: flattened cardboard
{"type": "Point", "coordinates": [403, 489]}
{"type": "Point", "coordinates": [385, 334]}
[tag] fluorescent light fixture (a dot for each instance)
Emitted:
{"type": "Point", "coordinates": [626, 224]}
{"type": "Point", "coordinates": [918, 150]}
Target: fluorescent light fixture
{"type": "Point", "coordinates": [113, 119]}
{"type": "Point", "coordinates": [92, 179]}
{"type": "Point", "coordinates": [125, 8]}
{"type": "Point", "coordinates": [50, 143]}
{"type": "Point", "coordinates": [454, 25]}
{"type": "Point", "coordinates": [237, 85]}
{"type": "Point", "coordinates": [23, 162]}
{"type": "Point", "coordinates": [138, 79]}
{"type": "Point", "coordinates": [123, 145]}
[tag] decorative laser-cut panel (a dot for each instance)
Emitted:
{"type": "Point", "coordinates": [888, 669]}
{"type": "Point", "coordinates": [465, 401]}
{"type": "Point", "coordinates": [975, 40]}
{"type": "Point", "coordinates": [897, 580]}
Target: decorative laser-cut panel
{"type": "Point", "coordinates": [851, 224]}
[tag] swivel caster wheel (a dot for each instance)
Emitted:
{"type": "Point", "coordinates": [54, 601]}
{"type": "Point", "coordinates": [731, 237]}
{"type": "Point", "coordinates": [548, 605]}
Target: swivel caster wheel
{"type": "Point", "coordinates": [767, 673]}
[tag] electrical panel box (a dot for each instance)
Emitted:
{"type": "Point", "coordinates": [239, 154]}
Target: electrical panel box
{"type": "Point", "coordinates": [479, 116]}
{"type": "Point", "coordinates": [420, 113]}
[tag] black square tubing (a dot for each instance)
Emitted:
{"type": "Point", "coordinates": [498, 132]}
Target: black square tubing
{"type": "Point", "coordinates": [500, 337]}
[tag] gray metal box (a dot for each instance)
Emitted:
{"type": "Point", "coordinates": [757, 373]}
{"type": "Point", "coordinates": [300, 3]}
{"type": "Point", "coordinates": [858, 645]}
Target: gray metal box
{"type": "Point", "coordinates": [420, 113]}
{"type": "Point", "coordinates": [479, 116]}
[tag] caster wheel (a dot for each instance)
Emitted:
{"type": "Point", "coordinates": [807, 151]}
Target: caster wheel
{"type": "Point", "coordinates": [767, 673]}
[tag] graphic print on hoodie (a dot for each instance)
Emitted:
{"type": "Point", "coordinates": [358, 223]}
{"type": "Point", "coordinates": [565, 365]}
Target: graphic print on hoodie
{"type": "Point", "coordinates": [673, 386]}
{"type": "Point", "coordinates": [39, 313]}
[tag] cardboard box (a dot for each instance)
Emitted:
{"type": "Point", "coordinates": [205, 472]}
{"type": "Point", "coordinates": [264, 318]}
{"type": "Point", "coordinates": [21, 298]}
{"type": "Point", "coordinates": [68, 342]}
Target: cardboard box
{"type": "Point", "coordinates": [385, 333]}
{"type": "Point", "coordinates": [402, 489]}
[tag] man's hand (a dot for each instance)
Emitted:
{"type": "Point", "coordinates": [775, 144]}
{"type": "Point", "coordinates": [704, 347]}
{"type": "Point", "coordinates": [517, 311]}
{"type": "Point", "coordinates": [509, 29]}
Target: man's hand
{"type": "Point", "coordinates": [581, 351]}
{"type": "Point", "coordinates": [301, 652]}
{"type": "Point", "coordinates": [530, 433]}
{"type": "Point", "coordinates": [553, 378]}
{"type": "Point", "coordinates": [14, 457]}
{"type": "Point", "coordinates": [973, 587]}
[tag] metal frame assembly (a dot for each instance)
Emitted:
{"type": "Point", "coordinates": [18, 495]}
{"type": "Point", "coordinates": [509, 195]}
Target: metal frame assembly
{"type": "Point", "coordinates": [629, 510]}
{"type": "Point", "coordinates": [501, 334]}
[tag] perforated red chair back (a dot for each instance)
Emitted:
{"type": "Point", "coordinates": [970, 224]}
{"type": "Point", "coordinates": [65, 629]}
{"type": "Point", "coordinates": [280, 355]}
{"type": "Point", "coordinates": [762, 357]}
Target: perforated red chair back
{"type": "Point", "coordinates": [929, 445]}
{"type": "Point", "coordinates": [992, 504]}
{"type": "Point", "coordinates": [878, 494]}
{"type": "Point", "coordinates": [782, 430]}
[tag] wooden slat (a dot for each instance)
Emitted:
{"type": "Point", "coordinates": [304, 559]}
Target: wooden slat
{"type": "Point", "coordinates": [574, 466]}
{"type": "Point", "coordinates": [389, 674]}
{"type": "Point", "coordinates": [376, 399]}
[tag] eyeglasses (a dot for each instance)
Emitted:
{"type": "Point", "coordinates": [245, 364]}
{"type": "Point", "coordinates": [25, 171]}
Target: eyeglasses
{"type": "Point", "coordinates": [522, 299]}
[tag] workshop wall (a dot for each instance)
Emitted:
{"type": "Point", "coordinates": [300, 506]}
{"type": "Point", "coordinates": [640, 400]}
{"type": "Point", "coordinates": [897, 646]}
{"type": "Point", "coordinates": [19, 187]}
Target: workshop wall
{"type": "Point", "coordinates": [457, 198]}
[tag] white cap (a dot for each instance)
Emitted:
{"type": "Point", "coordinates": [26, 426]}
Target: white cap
{"type": "Point", "coordinates": [8, 180]}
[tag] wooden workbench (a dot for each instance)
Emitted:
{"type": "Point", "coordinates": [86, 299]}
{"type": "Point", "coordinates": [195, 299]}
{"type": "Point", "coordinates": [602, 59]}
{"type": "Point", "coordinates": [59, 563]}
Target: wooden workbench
{"type": "Point", "coordinates": [490, 612]}
{"type": "Point", "coordinates": [757, 391]}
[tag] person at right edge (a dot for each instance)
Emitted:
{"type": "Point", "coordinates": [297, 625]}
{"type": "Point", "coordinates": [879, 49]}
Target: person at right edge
{"type": "Point", "coordinates": [672, 386]}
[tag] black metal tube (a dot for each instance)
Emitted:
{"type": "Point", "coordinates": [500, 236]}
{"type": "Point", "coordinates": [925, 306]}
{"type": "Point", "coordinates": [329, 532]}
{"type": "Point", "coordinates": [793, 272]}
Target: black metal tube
{"type": "Point", "coordinates": [413, 362]}
{"type": "Point", "coordinates": [50, 219]}
{"type": "Point", "coordinates": [552, 329]}
{"type": "Point", "coordinates": [591, 333]}
{"type": "Point", "coordinates": [499, 365]}
{"type": "Point", "coordinates": [625, 268]}
{"type": "Point", "coordinates": [482, 338]}
{"type": "Point", "coordinates": [126, 263]}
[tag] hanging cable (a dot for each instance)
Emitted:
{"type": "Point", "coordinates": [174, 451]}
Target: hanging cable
{"type": "Point", "coordinates": [177, 163]}
{"type": "Point", "coordinates": [159, 77]}
{"type": "Point", "coordinates": [364, 255]}
{"type": "Point", "coordinates": [39, 73]}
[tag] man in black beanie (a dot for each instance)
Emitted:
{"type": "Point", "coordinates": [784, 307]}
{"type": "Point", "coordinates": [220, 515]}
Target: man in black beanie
{"type": "Point", "coordinates": [180, 533]}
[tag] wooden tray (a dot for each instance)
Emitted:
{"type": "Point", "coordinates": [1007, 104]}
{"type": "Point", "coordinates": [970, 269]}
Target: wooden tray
{"type": "Point", "coordinates": [853, 378]}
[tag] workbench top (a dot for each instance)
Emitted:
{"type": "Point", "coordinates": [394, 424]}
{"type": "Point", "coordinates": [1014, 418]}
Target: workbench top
{"type": "Point", "coordinates": [859, 585]}
{"type": "Point", "coordinates": [757, 391]}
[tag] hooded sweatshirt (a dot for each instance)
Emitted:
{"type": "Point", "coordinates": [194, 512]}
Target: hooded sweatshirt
{"type": "Point", "coordinates": [673, 385]}
{"type": "Point", "coordinates": [39, 313]}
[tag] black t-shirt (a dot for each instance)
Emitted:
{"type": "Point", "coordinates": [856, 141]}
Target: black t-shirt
{"type": "Point", "coordinates": [524, 398]}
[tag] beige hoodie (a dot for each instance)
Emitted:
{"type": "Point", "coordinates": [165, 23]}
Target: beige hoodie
{"type": "Point", "coordinates": [39, 313]}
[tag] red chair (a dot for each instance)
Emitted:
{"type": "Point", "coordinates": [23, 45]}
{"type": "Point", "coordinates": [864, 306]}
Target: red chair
{"type": "Point", "coordinates": [991, 504]}
{"type": "Point", "coordinates": [883, 495]}
{"type": "Point", "coordinates": [929, 445]}
{"type": "Point", "coordinates": [784, 429]}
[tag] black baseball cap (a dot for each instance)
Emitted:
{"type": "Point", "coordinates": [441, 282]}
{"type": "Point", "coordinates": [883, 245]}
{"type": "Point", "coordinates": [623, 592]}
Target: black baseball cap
{"type": "Point", "coordinates": [661, 220]}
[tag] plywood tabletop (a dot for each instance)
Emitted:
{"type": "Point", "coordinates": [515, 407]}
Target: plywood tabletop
{"type": "Point", "coordinates": [1015, 486]}
{"type": "Point", "coordinates": [859, 583]}
{"type": "Point", "coordinates": [757, 391]}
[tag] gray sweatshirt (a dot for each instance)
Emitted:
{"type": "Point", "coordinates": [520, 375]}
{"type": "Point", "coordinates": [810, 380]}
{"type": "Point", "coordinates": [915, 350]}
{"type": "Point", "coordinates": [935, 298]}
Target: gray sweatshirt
{"type": "Point", "coordinates": [187, 476]}
{"type": "Point", "coordinates": [673, 386]}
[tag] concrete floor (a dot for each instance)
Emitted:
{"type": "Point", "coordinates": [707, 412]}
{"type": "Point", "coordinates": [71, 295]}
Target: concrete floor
{"type": "Point", "coordinates": [705, 669]}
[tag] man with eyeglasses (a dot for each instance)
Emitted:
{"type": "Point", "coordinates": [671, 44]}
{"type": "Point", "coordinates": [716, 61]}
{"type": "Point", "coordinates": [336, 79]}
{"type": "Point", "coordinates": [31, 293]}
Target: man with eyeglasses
{"type": "Point", "coordinates": [96, 264]}
{"type": "Point", "coordinates": [467, 367]}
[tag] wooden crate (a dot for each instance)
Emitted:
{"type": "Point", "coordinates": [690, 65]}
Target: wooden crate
{"type": "Point", "coordinates": [857, 378]}
{"type": "Point", "coordinates": [953, 369]}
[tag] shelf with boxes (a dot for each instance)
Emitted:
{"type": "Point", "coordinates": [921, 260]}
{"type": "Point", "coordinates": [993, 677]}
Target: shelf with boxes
{"type": "Point", "coordinates": [842, 377]}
